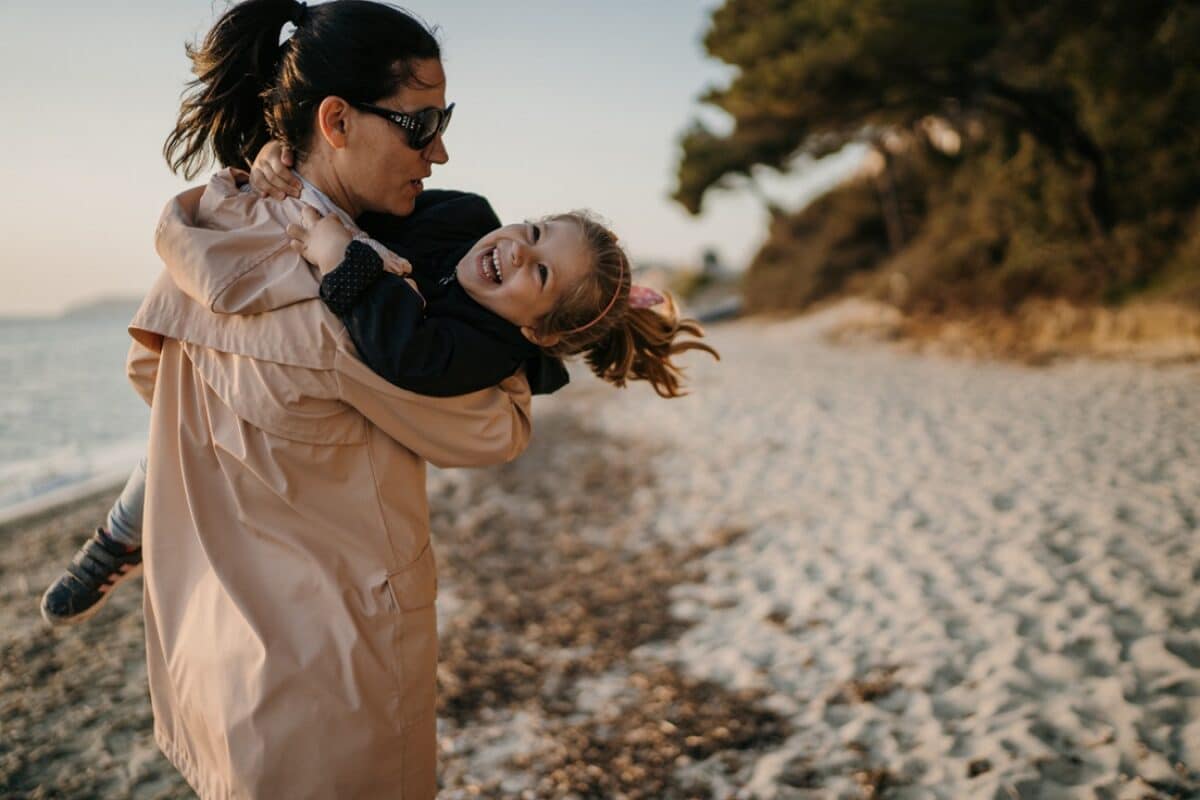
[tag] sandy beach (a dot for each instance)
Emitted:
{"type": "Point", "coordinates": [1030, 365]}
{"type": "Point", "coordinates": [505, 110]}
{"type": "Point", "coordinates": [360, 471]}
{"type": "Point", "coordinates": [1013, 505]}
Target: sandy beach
{"type": "Point", "coordinates": [833, 571]}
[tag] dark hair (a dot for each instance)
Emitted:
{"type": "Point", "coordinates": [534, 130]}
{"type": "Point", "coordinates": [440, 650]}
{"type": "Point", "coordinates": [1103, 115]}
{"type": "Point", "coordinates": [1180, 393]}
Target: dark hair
{"type": "Point", "coordinates": [625, 343]}
{"type": "Point", "coordinates": [249, 88]}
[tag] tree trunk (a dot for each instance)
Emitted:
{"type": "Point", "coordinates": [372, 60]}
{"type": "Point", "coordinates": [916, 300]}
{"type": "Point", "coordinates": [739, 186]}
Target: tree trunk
{"type": "Point", "coordinates": [889, 203]}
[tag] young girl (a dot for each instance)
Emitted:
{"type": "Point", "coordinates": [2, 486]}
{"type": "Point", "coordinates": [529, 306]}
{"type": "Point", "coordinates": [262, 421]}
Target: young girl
{"type": "Point", "coordinates": [453, 304]}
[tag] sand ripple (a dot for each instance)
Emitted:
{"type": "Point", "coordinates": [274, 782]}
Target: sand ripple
{"type": "Point", "coordinates": [830, 572]}
{"type": "Point", "coordinates": [979, 578]}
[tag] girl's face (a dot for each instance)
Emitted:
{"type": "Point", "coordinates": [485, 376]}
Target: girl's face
{"type": "Point", "coordinates": [520, 271]}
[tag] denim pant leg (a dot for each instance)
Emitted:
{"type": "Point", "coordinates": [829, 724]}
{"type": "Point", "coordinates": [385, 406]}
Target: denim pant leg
{"type": "Point", "coordinates": [125, 518]}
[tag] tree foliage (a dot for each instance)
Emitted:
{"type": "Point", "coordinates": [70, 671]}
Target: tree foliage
{"type": "Point", "coordinates": [1091, 108]}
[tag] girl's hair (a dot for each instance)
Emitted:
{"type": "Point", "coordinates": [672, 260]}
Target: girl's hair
{"type": "Point", "coordinates": [625, 343]}
{"type": "Point", "coordinates": [250, 88]}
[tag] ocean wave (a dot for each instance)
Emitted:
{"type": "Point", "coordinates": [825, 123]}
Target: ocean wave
{"type": "Point", "coordinates": [69, 422]}
{"type": "Point", "coordinates": [66, 468]}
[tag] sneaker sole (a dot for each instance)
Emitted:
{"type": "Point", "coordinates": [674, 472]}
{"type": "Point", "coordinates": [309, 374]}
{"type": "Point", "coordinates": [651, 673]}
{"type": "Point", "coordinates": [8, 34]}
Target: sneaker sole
{"type": "Point", "coordinates": [84, 616]}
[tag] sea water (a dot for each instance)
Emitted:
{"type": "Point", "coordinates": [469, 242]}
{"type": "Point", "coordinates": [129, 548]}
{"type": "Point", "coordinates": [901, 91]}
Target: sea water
{"type": "Point", "coordinates": [68, 415]}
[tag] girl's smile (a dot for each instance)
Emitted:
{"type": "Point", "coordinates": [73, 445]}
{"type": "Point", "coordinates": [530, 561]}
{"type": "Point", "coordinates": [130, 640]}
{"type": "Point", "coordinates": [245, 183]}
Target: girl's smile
{"type": "Point", "coordinates": [521, 271]}
{"type": "Point", "coordinates": [489, 265]}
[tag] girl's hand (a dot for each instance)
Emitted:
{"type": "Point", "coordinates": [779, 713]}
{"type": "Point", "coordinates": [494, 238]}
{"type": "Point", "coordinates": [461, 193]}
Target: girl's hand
{"type": "Point", "coordinates": [392, 263]}
{"type": "Point", "coordinates": [271, 173]}
{"type": "Point", "coordinates": [321, 240]}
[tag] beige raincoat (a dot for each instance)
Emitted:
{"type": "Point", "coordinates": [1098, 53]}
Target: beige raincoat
{"type": "Point", "coordinates": [289, 581]}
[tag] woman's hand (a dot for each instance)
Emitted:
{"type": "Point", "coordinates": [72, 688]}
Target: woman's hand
{"type": "Point", "coordinates": [321, 240]}
{"type": "Point", "coordinates": [271, 173]}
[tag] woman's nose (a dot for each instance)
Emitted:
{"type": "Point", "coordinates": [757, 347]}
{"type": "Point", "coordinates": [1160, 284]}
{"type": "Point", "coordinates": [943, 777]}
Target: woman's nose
{"type": "Point", "coordinates": [435, 151]}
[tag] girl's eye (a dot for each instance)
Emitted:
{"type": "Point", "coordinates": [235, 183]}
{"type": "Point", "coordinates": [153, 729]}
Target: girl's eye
{"type": "Point", "coordinates": [543, 272]}
{"type": "Point", "coordinates": [534, 233]}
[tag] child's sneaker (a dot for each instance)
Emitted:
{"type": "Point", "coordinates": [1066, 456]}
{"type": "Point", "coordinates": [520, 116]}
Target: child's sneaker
{"type": "Point", "coordinates": [97, 568]}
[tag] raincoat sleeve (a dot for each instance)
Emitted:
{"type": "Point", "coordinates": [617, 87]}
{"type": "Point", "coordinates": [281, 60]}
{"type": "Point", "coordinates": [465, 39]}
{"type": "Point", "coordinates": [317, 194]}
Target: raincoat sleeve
{"type": "Point", "coordinates": [250, 273]}
{"type": "Point", "coordinates": [472, 430]}
{"type": "Point", "coordinates": [141, 366]}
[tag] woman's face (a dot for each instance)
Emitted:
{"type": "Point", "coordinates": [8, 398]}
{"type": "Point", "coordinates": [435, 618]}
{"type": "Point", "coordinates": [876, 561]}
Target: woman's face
{"type": "Point", "coordinates": [520, 271]}
{"type": "Point", "coordinates": [382, 173]}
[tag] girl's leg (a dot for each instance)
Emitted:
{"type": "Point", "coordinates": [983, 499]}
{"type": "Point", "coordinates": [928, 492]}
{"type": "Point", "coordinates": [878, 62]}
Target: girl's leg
{"type": "Point", "coordinates": [125, 518]}
{"type": "Point", "coordinates": [107, 559]}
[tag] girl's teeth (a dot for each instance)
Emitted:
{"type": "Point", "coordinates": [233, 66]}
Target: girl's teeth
{"type": "Point", "coordinates": [490, 264]}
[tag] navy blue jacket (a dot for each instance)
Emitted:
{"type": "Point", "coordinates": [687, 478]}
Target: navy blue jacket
{"type": "Point", "coordinates": [450, 344]}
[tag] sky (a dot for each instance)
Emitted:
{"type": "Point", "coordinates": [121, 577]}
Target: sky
{"type": "Point", "coordinates": [560, 104]}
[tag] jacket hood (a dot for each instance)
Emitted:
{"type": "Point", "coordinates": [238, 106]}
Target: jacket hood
{"type": "Point", "coordinates": [252, 272]}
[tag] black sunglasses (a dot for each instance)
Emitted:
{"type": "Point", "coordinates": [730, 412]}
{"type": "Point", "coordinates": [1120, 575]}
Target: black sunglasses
{"type": "Point", "coordinates": [421, 127]}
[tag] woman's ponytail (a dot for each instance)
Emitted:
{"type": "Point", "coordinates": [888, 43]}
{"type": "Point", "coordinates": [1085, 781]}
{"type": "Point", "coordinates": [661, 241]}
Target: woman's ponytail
{"type": "Point", "coordinates": [223, 108]}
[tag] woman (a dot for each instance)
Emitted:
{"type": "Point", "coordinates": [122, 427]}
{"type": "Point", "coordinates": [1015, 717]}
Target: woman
{"type": "Point", "coordinates": [290, 629]}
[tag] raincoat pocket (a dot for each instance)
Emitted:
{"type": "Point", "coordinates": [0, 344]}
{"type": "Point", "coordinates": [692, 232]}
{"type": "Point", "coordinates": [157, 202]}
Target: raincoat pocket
{"type": "Point", "coordinates": [415, 586]}
{"type": "Point", "coordinates": [413, 591]}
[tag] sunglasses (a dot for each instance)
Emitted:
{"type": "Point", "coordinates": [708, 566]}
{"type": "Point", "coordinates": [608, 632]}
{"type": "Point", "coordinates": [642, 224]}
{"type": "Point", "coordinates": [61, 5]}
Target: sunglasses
{"type": "Point", "coordinates": [421, 127]}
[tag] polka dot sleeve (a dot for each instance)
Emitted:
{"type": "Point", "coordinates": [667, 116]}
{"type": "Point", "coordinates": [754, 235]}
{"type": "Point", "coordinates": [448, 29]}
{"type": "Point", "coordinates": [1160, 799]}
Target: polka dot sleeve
{"type": "Point", "coordinates": [344, 286]}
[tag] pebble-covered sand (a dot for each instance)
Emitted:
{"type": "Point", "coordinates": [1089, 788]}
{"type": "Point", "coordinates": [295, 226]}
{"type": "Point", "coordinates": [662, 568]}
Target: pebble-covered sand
{"type": "Point", "coordinates": [829, 572]}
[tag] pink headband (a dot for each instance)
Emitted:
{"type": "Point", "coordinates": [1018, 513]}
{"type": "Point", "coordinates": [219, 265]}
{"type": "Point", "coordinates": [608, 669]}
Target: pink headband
{"type": "Point", "coordinates": [639, 297]}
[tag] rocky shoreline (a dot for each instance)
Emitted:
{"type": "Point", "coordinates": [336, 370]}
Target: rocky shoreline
{"type": "Point", "coordinates": [829, 572]}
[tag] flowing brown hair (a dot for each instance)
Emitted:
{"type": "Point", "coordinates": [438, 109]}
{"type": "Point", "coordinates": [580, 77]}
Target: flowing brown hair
{"type": "Point", "coordinates": [624, 343]}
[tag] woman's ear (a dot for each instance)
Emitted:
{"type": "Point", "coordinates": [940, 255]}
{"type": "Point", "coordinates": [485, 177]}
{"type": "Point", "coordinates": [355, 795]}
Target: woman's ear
{"type": "Point", "coordinates": [549, 340]}
{"type": "Point", "coordinates": [333, 117]}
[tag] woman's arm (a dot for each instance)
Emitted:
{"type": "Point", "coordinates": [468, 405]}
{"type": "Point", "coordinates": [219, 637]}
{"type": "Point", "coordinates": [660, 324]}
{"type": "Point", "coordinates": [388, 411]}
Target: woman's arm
{"type": "Point", "coordinates": [473, 430]}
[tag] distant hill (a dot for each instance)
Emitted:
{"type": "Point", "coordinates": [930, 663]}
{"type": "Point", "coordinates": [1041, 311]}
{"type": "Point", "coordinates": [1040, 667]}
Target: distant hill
{"type": "Point", "coordinates": [103, 308]}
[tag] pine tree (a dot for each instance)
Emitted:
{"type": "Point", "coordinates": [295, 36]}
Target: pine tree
{"type": "Point", "coordinates": [1095, 107]}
